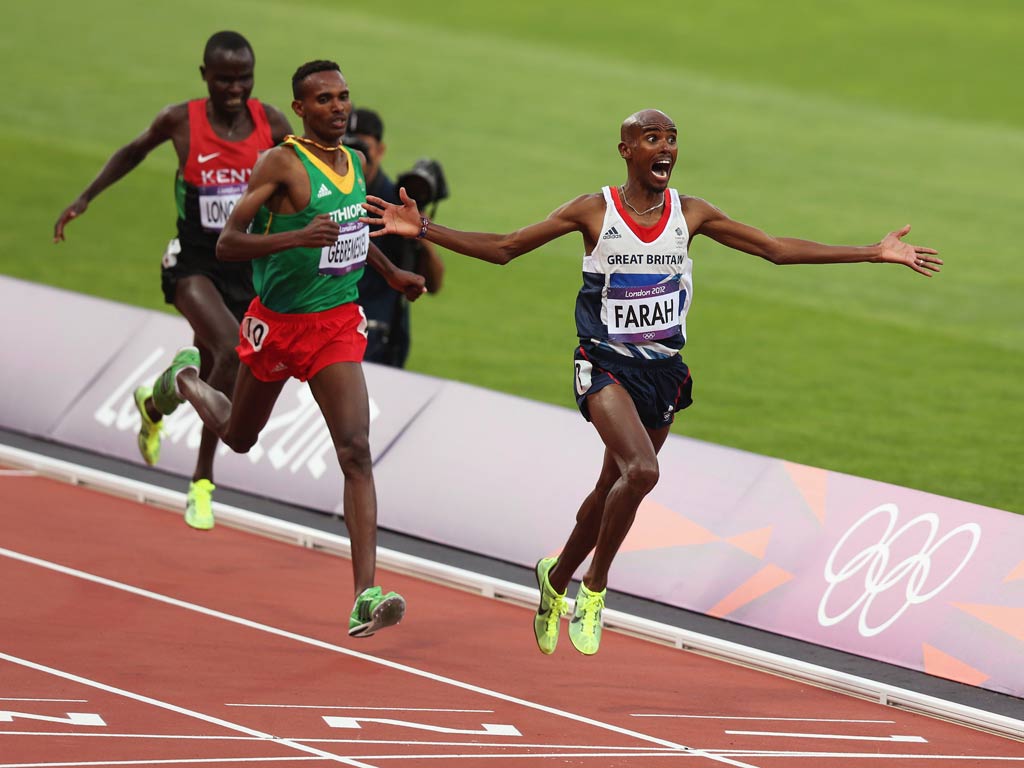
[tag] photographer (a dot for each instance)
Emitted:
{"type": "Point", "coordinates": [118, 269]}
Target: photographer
{"type": "Point", "coordinates": [387, 310]}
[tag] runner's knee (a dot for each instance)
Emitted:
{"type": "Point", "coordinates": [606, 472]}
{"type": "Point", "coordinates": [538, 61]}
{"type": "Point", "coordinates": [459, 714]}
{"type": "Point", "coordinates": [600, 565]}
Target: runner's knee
{"type": "Point", "coordinates": [239, 442]}
{"type": "Point", "coordinates": [641, 476]}
{"type": "Point", "coordinates": [354, 455]}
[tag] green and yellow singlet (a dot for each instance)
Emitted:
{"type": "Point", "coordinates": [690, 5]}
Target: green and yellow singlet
{"type": "Point", "coordinates": [303, 280]}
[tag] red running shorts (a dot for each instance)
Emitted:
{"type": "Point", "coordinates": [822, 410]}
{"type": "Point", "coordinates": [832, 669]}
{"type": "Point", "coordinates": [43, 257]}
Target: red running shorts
{"type": "Point", "coordinates": [277, 346]}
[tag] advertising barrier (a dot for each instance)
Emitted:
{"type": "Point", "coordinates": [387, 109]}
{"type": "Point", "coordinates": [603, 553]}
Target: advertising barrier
{"type": "Point", "coordinates": [911, 578]}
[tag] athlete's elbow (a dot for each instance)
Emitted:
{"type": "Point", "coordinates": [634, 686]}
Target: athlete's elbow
{"type": "Point", "coordinates": [224, 249]}
{"type": "Point", "coordinates": [505, 253]}
{"type": "Point", "coordinates": [776, 254]}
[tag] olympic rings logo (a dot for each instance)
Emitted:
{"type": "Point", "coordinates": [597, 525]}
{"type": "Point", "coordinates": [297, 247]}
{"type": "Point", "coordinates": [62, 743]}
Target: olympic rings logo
{"type": "Point", "coordinates": [873, 566]}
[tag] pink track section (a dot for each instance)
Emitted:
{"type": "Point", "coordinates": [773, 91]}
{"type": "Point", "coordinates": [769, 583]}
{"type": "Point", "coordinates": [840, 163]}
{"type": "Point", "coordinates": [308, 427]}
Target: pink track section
{"type": "Point", "coordinates": [232, 649]}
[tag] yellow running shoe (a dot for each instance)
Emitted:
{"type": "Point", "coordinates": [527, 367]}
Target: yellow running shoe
{"type": "Point", "coordinates": [199, 507]}
{"type": "Point", "coordinates": [550, 610]}
{"type": "Point", "coordinates": [149, 431]}
{"type": "Point", "coordinates": [585, 625]}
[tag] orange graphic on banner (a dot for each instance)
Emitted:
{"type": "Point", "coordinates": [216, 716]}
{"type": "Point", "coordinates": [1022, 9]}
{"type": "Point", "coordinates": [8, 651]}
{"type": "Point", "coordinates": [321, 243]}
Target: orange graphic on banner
{"type": "Point", "coordinates": [943, 665]}
{"type": "Point", "coordinates": [656, 527]}
{"type": "Point", "coordinates": [753, 542]}
{"type": "Point", "coordinates": [1016, 573]}
{"type": "Point", "coordinates": [812, 484]}
{"type": "Point", "coordinates": [761, 583]}
{"type": "Point", "coordinates": [1004, 618]}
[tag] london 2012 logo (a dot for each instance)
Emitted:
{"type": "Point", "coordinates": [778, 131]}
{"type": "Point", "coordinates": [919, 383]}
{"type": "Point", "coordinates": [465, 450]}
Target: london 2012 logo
{"type": "Point", "coordinates": [881, 570]}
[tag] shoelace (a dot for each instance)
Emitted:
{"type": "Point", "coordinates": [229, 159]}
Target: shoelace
{"type": "Point", "coordinates": [556, 611]}
{"type": "Point", "coordinates": [592, 608]}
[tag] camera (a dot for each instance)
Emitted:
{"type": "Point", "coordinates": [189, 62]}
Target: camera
{"type": "Point", "coordinates": [424, 183]}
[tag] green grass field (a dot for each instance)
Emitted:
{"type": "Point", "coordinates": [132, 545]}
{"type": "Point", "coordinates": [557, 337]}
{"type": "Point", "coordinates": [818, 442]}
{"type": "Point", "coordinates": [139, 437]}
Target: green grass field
{"type": "Point", "coordinates": [830, 121]}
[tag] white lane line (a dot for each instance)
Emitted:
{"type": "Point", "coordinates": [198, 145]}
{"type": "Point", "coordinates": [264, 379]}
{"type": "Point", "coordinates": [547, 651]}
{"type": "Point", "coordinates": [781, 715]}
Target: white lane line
{"type": "Point", "coordinates": [180, 710]}
{"type": "Point", "coordinates": [773, 719]}
{"type": "Point", "coordinates": [48, 565]}
{"type": "Point", "coordinates": [58, 701]}
{"type": "Point", "coordinates": [864, 755]}
{"type": "Point", "coordinates": [190, 761]}
{"type": "Point", "coordinates": [183, 736]}
{"type": "Point", "coordinates": [18, 473]}
{"type": "Point", "coordinates": [838, 736]}
{"type": "Point", "coordinates": [363, 709]}
{"type": "Point", "coordinates": [388, 741]}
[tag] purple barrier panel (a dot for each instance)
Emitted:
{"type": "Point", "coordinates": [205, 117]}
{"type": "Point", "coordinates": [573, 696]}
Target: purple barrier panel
{"type": "Point", "coordinates": [53, 341]}
{"type": "Point", "coordinates": [294, 459]}
{"type": "Point", "coordinates": [490, 473]}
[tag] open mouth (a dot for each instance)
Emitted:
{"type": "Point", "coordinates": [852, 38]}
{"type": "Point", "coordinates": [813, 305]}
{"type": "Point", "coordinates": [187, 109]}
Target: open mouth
{"type": "Point", "coordinates": [662, 168]}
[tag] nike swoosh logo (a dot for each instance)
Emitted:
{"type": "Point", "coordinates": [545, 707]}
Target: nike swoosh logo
{"type": "Point", "coordinates": [204, 158]}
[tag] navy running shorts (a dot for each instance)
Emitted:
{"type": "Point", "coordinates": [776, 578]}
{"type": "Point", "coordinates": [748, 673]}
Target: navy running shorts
{"type": "Point", "coordinates": [659, 388]}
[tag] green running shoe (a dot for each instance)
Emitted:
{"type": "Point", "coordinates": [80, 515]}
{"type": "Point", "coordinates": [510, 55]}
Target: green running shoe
{"type": "Point", "coordinates": [374, 610]}
{"type": "Point", "coordinates": [199, 507]}
{"type": "Point", "coordinates": [166, 396]}
{"type": "Point", "coordinates": [149, 431]}
{"type": "Point", "coordinates": [550, 610]}
{"type": "Point", "coordinates": [585, 625]}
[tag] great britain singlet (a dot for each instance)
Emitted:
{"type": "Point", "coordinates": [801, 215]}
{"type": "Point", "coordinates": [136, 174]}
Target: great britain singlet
{"type": "Point", "coordinates": [637, 283]}
{"type": "Point", "coordinates": [216, 172]}
{"type": "Point", "coordinates": [302, 280]}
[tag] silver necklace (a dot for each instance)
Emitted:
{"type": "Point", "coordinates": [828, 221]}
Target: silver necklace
{"type": "Point", "coordinates": [622, 191]}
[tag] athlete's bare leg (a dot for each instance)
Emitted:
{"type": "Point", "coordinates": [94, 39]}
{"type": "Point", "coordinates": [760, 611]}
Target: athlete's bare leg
{"type": "Point", "coordinates": [628, 473]}
{"type": "Point", "coordinates": [216, 334]}
{"type": "Point", "coordinates": [340, 391]}
{"type": "Point", "coordinates": [237, 421]}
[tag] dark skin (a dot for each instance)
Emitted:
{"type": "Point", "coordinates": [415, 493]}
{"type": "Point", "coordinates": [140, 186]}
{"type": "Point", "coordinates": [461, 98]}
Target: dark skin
{"type": "Point", "coordinates": [630, 467]}
{"type": "Point", "coordinates": [280, 182]}
{"type": "Point", "coordinates": [228, 75]}
{"type": "Point", "coordinates": [428, 261]}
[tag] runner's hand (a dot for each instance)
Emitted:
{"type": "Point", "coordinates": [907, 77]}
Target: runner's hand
{"type": "Point", "coordinates": [404, 220]}
{"type": "Point", "coordinates": [320, 232]}
{"type": "Point", "coordinates": [73, 211]}
{"type": "Point", "coordinates": [408, 283]}
{"type": "Point", "coordinates": [918, 258]}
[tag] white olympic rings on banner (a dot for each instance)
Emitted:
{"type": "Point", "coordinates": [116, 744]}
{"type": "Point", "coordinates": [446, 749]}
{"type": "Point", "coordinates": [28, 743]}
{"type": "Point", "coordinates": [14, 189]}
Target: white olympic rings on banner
{"type": "Point", "coordinates": [873, 566]}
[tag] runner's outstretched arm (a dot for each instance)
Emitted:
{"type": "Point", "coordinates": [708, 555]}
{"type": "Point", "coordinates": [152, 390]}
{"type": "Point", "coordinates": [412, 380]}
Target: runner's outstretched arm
{"type": "Point", "coordinates": [405, 220]}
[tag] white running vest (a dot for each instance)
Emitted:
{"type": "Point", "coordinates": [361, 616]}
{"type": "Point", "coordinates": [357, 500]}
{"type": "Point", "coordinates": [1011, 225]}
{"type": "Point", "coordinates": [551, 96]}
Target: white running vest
{"type": "Point", "coordinates": [637, 283]}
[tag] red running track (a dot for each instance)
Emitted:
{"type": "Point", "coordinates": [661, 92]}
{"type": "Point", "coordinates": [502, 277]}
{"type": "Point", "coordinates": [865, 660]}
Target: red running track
{"type": "Point", "coordinates": [126, 638]}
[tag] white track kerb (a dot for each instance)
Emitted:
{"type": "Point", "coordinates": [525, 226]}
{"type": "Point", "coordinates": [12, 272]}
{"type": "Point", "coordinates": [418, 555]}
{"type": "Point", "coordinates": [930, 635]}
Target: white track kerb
{"type": "Point", "coordinates": [503, 590]}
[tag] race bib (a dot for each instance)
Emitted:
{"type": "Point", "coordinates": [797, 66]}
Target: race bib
{"type": "Point", "coordinates": [216, 204]}
{"type": "Point", "coordinates": [348, 252]}
{"type": "Point", "coordinates": [640, 308]}
{"type": "Point", "coordinates": [254, 331]}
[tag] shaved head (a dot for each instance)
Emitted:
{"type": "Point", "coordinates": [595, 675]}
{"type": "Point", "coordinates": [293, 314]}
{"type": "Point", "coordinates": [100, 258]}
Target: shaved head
{"type": "Point", "coordinates": [633, 125]}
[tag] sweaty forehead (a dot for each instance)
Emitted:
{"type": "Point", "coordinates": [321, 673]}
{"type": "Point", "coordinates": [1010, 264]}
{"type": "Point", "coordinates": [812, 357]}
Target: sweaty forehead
{"type": "Point", "coordinates": [331, 81]}
{"type": "Point", "coordinates": [230, 58]}
{"type": "Point", "coordinates": [658, 125]}
{"type": "Point", "coordinates": [649, 120]}
{"type": "Point", "coordinates": [655, 122]}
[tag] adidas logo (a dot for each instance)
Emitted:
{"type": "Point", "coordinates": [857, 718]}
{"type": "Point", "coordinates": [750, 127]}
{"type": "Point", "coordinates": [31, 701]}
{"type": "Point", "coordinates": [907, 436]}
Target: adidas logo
{"type": "Point", "coordinates": [611, 234]}
{"type": "Point", "coordinates": [324, 191]}
{"type": "Point", "coordinates": [281, 366]}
